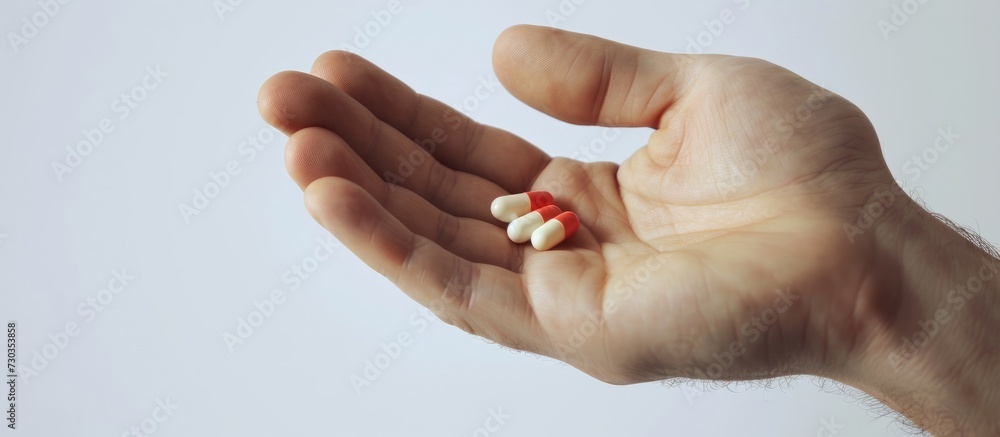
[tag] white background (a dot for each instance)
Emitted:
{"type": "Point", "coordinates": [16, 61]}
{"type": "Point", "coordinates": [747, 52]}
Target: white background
{"type": "Point", "coordinates": [162, 337]}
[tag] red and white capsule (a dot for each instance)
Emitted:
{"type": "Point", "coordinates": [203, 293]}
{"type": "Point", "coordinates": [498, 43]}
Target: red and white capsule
{"type": "Point", "coordinates": [509, 208]}
{"type": "Point", "coordinates": [520, 230]}
{"type": "Point", "coordinates": [555, 231]}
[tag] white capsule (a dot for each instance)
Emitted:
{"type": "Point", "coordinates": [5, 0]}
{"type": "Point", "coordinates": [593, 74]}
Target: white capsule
{"type": "Point", "coordinates": [555, 231]}
{"type": "Point", "coordinates": [520, 230]}
{"type": "Point", "coordinates": [509, 208]}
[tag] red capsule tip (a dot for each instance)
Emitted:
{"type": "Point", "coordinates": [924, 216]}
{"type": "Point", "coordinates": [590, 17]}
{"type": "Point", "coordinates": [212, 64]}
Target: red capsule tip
{"type": "Point", "coordinates": [548, 212]}
{"type": "Point", "coordinates": [540, 199]}
{"type": "Point", "coordinates": [569, 221]}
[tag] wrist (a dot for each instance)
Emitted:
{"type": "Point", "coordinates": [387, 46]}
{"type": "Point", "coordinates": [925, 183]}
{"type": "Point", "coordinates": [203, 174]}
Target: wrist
{"type": "Point", "coordinates": [931, 353]}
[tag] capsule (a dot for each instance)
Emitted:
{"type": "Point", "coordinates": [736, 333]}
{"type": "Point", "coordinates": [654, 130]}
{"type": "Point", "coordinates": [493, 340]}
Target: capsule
{"type": "Point", "coordinates": [520, 230]}
{"type": "Point", "coordinates": [555, 231]}
{"type": "Point", "coordinates": [509, 208]}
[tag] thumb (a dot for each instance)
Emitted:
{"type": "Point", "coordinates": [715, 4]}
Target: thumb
{"type": "Point", "coordinates": [583, 79]}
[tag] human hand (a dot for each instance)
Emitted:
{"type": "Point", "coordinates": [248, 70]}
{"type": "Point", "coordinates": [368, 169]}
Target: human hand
{"type": "Point", "coordinates": [718, 250]}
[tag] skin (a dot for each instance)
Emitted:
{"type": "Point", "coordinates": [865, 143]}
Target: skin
{"type": "Point", "coordinates": [758, 233]}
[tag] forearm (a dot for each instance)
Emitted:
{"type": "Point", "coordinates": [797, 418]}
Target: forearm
{"type": "Point", "coordinates": [935, 358]}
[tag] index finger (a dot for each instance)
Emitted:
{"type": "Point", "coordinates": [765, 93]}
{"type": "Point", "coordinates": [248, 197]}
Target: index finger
{"type": "Point", "coordinates": [457, 141]}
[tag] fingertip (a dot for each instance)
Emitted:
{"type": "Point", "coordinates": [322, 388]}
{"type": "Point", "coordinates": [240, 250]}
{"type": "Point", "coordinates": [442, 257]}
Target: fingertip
{"type": "Point", "coordinates": [274, 100]}
{"type": "Point", "coordinates": [330, 63]}
{"type": "Point", "coordinates": [510, 51]}
{"type": "Point", "coordinates": [552, 70]}
{"type": "Point", "coordinates": [583, 79]}
{"type": "Point", "coordinates": [508, 39]}
{"type": "Point", "coordinates": [513, 39]}
{"type": "Point", "coordinates": [325, 196]}
{"type": "Point", "coordinates": [305, 154]}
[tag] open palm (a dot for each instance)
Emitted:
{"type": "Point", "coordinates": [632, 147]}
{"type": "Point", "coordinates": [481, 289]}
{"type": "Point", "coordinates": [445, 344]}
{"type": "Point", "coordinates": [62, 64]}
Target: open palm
{"type": "Point", "coordinates": [716, 250]}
